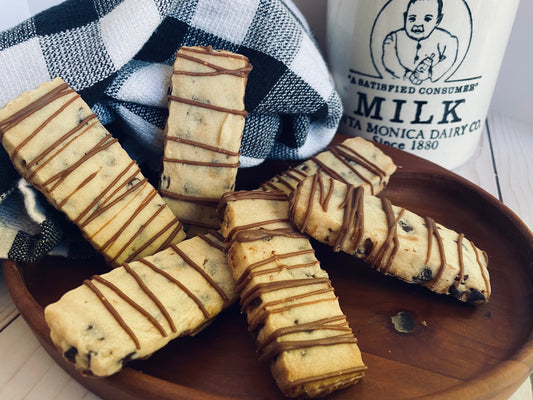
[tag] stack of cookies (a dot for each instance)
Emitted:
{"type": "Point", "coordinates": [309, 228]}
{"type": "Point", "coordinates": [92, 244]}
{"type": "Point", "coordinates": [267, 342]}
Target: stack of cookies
{"type": "Point", "coordinates": [183, 252]}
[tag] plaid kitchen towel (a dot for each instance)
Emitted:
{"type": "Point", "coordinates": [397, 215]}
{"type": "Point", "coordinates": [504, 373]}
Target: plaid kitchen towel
{"type": "Point", "coordinates": [118, 55]}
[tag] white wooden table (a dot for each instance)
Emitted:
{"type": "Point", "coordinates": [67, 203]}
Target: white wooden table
{"type": "Point", "coordinates": [499, 166]}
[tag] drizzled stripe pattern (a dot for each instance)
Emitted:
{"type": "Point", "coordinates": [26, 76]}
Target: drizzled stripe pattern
{"type": "Point", "coordinates": [391, 239]}
{"type": "Point", "coordinates": [281, 284]}
{"type": "Point", "coordinates": [203, 132]}
{"type": "Point", "coordinates": [351, 161]}
{"type": "Point", "coordinates": [138, 307]}
{"type": "Point", "coordinates": [58, 145]}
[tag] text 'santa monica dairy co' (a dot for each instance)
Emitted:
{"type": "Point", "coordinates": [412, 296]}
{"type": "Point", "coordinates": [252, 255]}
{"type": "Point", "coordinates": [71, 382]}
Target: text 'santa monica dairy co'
{"type": "Point", "coordinates": [418, 74]}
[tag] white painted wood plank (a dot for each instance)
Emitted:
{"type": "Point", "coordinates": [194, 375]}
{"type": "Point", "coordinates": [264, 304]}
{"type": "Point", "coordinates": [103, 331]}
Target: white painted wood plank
{"type": "Point", "coordinates": [74, 391]}
{"type": "Point", "coordinates": [17, 344]}
{"type": "Point", "coordinates": [523, 392]}
{"type": "Point", "coordinates": [50, 382]}
{"type": "Point", "coordinates": [28, 372]}
{"type": "Point", "coordinates": [479, 169]}
{"type": "Point", "coordinates": [512, 145]}
{"type": "Point", "coordinates": [8, 311]}
{"type": "Point", "coordinates": [499, 166]}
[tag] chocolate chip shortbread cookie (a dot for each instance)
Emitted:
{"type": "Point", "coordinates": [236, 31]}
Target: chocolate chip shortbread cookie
{"type": "Point", "coordinates": [354, 161]}
{"type": "Point", "coordinates": [203, 132]}
{"type": "Point", "coordinates": [392, 239]}
{"type": "Point", "coordinates": [57, 144]}
{"type": "Point", "coordinates": [139, 307]}
{"type": "Point", "coordinates": [289, 301]}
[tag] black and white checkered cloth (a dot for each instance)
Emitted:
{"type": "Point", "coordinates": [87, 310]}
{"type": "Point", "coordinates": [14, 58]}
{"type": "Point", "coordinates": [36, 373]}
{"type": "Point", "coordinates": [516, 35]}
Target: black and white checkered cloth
{"type": "Point", "coordinates": [118, 55]}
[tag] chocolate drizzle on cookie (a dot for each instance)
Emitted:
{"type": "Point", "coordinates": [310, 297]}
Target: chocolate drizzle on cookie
{"type": "Point", "coordinates": [152, 297]}
{"type": "Point", "coordinates": [201, 63]}
{"type": "Point", "coordinates": [434, 233]}
{"type": "Point", "coordinates": [209, 106]}
{"type": "Point", "coordinates": [215, 68]}
{"type": "Point", "coordinates": [253, 270]}
{"type": "Point", "coordinates": [366, 171]}
{"type": "Point", "coordinates": [384, 257]}
{"type": "Point", "coordinates": [134, 272]}
{"type": "Point", "coordinates": [54, 94]}
{"type": "Point", "coordinates": [119, 189]}
{"type": "Point", "coordinates": [112, 311]}
{"type": "Point", "coordinates": [351, 237]}
{"type": "Point", "coordinates": [203, 146]}
{"type": "Point", "coordinates": [271, 347]}
{"type": "Point", "coordinates": [283, 283]}
{"type": "Point", "coordinates": [200, 270]}
{"type": "Point", "coordinates": [218, 236]}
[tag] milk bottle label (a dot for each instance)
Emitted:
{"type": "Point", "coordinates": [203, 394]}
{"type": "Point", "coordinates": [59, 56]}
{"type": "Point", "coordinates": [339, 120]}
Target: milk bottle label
{"type": "Point", "coordinates": [418, 74]}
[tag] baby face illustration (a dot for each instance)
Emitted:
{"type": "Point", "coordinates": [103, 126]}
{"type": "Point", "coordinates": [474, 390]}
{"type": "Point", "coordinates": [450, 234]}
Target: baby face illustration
{"type": "Point", "coordinates": [422, 17]}
{"type": "Point", "coordinates": [421, 50]}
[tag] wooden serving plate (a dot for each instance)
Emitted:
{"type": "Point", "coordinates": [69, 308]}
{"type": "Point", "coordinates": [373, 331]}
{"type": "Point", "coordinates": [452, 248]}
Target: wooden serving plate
{"type": "Point", "coordinates": [453, 351]}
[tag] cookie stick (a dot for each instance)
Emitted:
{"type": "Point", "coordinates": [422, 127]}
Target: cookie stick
{"type": "Point", "coordinates": [354, 161]}
{"type": "Point", "coordinates": [203, 132]}
{"type": "Point", "coordinates": [288, 299]}
{"type": "Point", "coordinates": [392, 239]}
{"type": "Point", "coordinates": [58, 145]}
{"type": "Point", "coordinates": [139, 307]}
